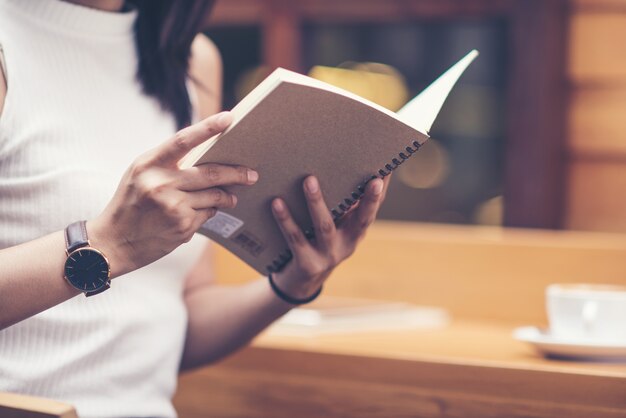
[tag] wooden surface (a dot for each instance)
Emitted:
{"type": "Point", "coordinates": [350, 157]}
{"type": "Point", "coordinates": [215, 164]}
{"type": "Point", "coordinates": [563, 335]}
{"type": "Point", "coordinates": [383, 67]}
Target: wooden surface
{"type": "Point", "coordinates": [490, 279]}
{"type": "Point", "coordinates": [599, 5]}
{"type": "Point", "coordinates": [596, 125]}
{"type": "Point", "coordinates": [485, 273]}
{"type": "Point", "coordinates": [596, 53]}
{"type": "Point", "coordinates": [467, 370]}
{"type": "Point", "coordinates": [21, 406]}
{"type": "Point", "coordinates": [228, 12]}
{"type": "Point", "coordinates": [597, 136]}
{"type": "Point", "coordinates": [597, 195]}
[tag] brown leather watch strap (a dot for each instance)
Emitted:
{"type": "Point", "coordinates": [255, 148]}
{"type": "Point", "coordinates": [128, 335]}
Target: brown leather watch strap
{"type": "Point", "coordinates": [76, 236]}
{"type": "Point", "coordinates": [102, 289]}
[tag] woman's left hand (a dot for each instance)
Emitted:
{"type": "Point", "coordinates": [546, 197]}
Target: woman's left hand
{"type": "Point", "coordinates": [313, 261]}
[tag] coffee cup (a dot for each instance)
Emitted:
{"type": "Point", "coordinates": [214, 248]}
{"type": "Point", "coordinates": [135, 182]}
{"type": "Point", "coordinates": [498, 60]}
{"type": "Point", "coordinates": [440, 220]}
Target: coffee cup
{"type": "Point", "coordinates": [587, 313]}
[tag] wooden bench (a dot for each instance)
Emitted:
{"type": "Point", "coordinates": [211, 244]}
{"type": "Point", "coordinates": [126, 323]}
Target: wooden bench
{"type": "Point", "coordinates": [21, 406]}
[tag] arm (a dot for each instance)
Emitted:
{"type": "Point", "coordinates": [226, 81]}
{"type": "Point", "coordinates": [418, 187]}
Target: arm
{"type": "Point", "coordinates": [21, 279]}
{"type": "Point", "coordinates": [156, 207]}
{"type": "Point", "coordinates": [222, 319]}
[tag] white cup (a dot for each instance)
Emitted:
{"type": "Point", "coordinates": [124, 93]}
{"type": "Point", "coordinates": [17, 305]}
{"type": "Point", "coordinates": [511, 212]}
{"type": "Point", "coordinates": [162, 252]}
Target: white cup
{"type": "Point", "coordinates": [588, 313]}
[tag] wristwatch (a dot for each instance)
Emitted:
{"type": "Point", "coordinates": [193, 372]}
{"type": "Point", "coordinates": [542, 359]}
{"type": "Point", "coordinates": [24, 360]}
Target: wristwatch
{"type": "Point", "coordinates": [86, 268]}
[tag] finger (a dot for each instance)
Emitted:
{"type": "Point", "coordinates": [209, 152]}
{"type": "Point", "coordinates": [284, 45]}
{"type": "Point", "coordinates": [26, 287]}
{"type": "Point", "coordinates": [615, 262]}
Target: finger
{"type": "Point", "coordinates": [365, 214]}
{"type": "Point", "coordinates": [386, 182]}
{"type": "Point", "coordinates": [212, 198]}
{"type": "Point", "coordinates": [175, 148]}
{"type": "Point", "coordinates": [298, 244]}
{"type": "Point", "coordinates": [203, 215]}
{"type": "Point", "coordinates": [323, 223]}
{"type": "Point", "coordinates": [212, 175]}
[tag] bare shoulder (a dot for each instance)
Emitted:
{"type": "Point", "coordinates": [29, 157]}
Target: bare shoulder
{"type": "Point", "coordinates": [205, 69]}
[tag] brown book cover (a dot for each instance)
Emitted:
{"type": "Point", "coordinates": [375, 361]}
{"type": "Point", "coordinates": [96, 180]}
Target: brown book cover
{"type": "Point", "coordinates": [290, 127]}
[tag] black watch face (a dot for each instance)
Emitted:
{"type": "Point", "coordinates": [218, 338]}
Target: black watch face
{"type": "Point", "coordinates": [86, 269]}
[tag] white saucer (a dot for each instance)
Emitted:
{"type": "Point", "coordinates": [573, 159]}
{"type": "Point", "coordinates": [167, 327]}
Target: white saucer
{"type": "Point", "coordinates": [551, 345]}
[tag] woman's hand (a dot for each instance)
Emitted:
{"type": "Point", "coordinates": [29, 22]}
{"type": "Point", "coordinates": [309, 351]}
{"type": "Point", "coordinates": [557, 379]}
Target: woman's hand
{"type": "Point", "coordinates": [313, 261]}
{"type": "Point", "coordinates": [159, 206]}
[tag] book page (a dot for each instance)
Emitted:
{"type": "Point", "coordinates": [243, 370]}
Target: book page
{"type": "Point", "coordinates": [420, 113]}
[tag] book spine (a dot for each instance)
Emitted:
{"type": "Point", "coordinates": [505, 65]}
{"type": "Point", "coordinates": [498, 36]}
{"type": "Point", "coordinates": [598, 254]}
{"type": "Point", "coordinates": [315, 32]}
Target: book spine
{"type": "Point", "coordinates": [339, 210]}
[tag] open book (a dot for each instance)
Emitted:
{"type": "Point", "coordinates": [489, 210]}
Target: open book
{"type": "Point", "coordinates": [291, 126]}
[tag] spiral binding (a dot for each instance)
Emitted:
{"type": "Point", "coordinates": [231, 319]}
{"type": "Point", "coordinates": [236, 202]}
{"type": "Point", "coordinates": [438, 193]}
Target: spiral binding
{"type": "Point", "coordinates": [338, 211]}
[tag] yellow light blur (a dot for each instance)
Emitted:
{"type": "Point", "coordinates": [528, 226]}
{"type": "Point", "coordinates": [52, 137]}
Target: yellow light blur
{"type": "Point", "coordinates": [490, 212]}
{"type": "Point", "coordinates": [248, 80]}
{"type": "Point", "coordinates": [380, 83]}
{"type": "Point", "coordinates": [428, 168]}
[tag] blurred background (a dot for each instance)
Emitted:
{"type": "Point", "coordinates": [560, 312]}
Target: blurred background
{"type": "Point", "coordinates": [531, 137]}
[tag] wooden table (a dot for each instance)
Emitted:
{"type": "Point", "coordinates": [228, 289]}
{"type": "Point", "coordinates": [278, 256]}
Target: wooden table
{"type": "Point", "coordinates": [489, 280]}
{"type": "Point", "coordinates": [468, 369]}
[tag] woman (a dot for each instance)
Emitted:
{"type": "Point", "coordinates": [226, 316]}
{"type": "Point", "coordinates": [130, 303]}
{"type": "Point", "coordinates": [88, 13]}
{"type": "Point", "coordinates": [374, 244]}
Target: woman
{"type": "Point", "coordinates": [86, 89]}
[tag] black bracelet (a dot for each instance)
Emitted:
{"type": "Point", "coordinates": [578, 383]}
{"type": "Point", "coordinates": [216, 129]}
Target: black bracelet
{"type": "Point", "coordinates": [288, 298]}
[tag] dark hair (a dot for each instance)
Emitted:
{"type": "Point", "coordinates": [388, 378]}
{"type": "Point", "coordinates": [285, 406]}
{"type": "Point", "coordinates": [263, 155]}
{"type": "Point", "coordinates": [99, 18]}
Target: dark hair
{"type": "Point", "coordinates": [164, 31]}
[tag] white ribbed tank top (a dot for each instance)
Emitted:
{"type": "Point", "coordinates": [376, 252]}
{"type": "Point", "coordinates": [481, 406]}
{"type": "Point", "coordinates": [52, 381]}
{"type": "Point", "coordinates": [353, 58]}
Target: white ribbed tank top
{"type": "Point", "coordinates": [74, 118]}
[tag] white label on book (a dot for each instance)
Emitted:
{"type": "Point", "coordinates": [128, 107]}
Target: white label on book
{"type": "Point", "coordinates": [223, 224]}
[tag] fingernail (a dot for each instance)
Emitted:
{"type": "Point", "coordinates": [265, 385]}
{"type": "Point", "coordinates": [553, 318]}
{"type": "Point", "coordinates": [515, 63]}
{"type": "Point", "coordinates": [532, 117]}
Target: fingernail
{"type": "Point", "coordinates": [234, 199]}
{"type": "Point", "coordinates": [278, 205]}
{"type": "Point", "coordinates": [253, 176]}
{"type": "Point", "coordinates": [311, 185]}
{"type": "Point", "coordinates": [378, 187]}
{"type": "Point", "coordinates": [223, 117]}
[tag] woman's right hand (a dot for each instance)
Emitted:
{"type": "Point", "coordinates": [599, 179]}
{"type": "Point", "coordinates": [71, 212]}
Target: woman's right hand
{"type": "Point", "coordinates": [158, 206]}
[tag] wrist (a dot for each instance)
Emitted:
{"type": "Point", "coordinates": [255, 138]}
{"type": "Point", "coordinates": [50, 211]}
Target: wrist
{"type": "Point", "coordinates": [294, 292]}
{"type": "Point", "coordinates": [103, 238]}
